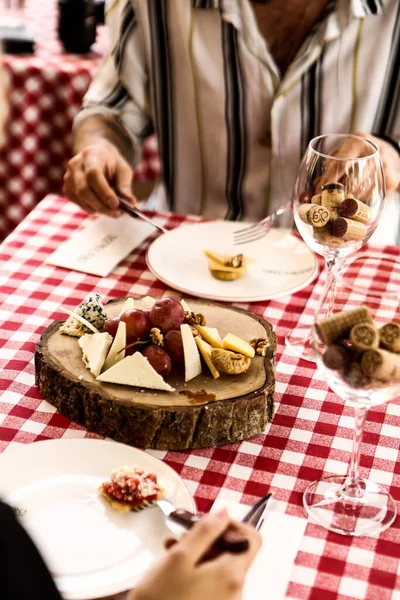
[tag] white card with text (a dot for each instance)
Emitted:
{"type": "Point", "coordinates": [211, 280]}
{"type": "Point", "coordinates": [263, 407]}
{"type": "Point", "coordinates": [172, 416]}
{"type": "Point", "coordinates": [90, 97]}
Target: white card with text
{"type": "Point", "coordinates": [282, 534]}
{"type": "Point", "coordinates": [101, 245]}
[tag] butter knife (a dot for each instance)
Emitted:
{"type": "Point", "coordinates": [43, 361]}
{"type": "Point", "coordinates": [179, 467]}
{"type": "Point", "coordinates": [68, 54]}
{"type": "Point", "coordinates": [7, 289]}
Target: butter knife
{"type": "Point", "coordinates": [135, 212]}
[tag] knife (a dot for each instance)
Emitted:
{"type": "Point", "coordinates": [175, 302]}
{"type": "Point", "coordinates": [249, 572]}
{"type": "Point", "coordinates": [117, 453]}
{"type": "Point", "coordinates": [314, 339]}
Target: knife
{"type": "Point", "coordinates": [135, 212]}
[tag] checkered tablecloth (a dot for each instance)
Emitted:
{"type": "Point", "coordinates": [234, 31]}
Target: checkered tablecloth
{"type": "Point", "coordinates": [39, 97]}
{"type": "Point", "coordinates": [311, 433]}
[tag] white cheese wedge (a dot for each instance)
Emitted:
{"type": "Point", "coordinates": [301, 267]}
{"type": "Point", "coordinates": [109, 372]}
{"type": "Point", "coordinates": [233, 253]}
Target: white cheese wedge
{"type": "Point", "coordinates": [205, 351]}
{"type": "Point", "coordinates": [185, 306]}
{"type": "Point", "coordinates": [136, 371]}
{"type": "Point", "coordinates": [190, 353]}
{"type": "Point", "coordinates": [210, 335]}
{"type": "Point", "coordinates": [148, 302]}
{"type": "Point", "coordinates": [94, 350]}
{"type": "Point", "coordinates": [116, 352]}
{"type": "Point", "coordinates": [129, 304]}
{"type": "Point", "coordinates": [235, 343]}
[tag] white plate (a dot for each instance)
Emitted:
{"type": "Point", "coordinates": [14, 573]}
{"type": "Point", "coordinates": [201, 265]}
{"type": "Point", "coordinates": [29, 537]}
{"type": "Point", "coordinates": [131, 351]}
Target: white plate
{"type": "Point", "coordinates": [284, 264]}
{"type": "Point", "coordinates": [91, 550]}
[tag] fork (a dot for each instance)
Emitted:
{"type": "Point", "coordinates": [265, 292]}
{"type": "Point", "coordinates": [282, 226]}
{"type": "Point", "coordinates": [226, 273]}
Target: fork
{"type": "Point", "coordinates": [258, 230]}
{"type": "Point", "coordinates": [230, 541]}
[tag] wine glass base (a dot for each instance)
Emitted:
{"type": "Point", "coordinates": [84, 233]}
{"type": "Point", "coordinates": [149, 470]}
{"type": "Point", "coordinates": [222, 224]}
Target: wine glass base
{"type": "Point", "coordinates": [373, 512]}
{"type": "Point", "coordinates": [298, 340]}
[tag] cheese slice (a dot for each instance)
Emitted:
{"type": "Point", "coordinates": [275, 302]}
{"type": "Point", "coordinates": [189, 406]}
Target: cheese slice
{"type": "Point", "coordinates": [94, 350]}
{"type": "Point", "coordinates": [136, 371]}
{"type": "Point", "coordinates": [210, 335]}
{"type": "Point", "coordinates": [148, 302]}
{"type": "Point", "coordinates": [190, 353]}
{"type": "Point", "coordinates": [117, 352]}
{"type": "Point", "coordinates": [129, 304]}
{"type": "Point", "coordinates": [215, 266]}
{"type": "Point", "coordinates": [185, 306]}
{"type": "Point", "coordinates": [222, 259]}
{"type": "Point", "coordinates": [235, 343]}
{"type": "Point", "coordinates": [205, 351]}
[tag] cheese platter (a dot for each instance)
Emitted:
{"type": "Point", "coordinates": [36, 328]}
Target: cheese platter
{"type": "Point", "coordinates": [160, 373]}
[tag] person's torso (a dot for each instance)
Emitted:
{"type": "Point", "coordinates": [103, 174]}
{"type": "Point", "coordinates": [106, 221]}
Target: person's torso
{"type": "Point", "coordinates": [231, 130]}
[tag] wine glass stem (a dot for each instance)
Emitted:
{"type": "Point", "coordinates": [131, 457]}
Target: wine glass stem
{"type": "Point", "coordinates": [351, 488]}
{"type": "Point", "coordinates": [334, 271]}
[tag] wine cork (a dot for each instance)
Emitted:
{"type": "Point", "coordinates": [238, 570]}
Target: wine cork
{"type": "Point", "coordinates": [364, 336]}
{"type": "Point", "coordinates": [355, 376]}
{"type": "Point", "coordinates": [339, 326]}
{"type": "Point", "coordinates": [313, 214]}
{"type": "Point", "coordinates": [390, 337]}
{"type": "Point", "coordinates": [316, 199]}
{"type": "Point", "coordinates": [336, 357]}
{"type": "Point", "coordinates": [332, 196]}
{"type": "Point", "coordinates": [333, 186]}
{"type": "Point", "coordinates": [382, 365]}
{"type": "Point", "coordinates": [347, 229]}
{"type": "Point", "coordinates": [324, 236]}
{"type": "Point", "coordinates": [351, 208]}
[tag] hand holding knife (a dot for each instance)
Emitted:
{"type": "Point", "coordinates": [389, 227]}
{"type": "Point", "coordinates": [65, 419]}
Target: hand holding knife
{"type": "Point", "coordinates": [231, 540]}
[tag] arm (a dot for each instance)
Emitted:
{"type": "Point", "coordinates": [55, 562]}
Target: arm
{"type": "Point", "coordinates": [18, 556]}
{"type": "Point", "coordinates": [103, 130]}
{"type": "Point", "coordinates": [187, 572]}
{"type": "Point", "coordinates": [108, 130]}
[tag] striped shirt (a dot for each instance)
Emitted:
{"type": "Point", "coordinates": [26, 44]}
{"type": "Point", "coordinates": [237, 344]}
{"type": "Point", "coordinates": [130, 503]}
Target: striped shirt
{"type": "Point", "coordinates": [231, 130]}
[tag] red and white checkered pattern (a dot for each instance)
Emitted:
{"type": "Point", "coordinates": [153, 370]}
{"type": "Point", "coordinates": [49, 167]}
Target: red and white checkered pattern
{"type": "Point", "coordinates": [43, 93]}
{"type": "Point", "coordinates": [311, 433]}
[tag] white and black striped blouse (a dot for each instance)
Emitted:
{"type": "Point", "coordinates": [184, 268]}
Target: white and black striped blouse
{"type": "Point", "coordinates": [231, 130]}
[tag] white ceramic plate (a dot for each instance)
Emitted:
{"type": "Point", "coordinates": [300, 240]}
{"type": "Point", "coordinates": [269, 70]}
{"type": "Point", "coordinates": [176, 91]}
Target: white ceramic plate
{"type": "Point", "coordinates": [283, 263]}
{"type": "Point", "coordinates": [91, 550]}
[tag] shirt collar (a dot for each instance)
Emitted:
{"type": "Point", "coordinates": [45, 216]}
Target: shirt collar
{"type": "Point", "coordinates": [358, 8]}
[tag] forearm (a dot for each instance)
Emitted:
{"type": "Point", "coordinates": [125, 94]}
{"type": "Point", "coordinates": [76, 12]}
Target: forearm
{"type": "Point", "coordinates": [103, 130]}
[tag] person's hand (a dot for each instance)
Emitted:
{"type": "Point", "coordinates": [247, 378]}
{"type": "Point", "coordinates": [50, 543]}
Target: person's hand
{"type": "Point", "coordinates": [94, 176]}
{"type": "Point", "coordinates": [355, 149]}
{"type": "Point", "coordinates": [186, 573]}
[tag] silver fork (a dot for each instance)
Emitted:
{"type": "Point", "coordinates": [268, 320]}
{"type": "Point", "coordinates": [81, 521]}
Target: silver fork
{"type": "Point", "coordinates": [258, 230]}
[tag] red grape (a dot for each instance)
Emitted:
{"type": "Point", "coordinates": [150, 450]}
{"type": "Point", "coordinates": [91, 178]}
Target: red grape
{"type": "Point", "coordinates": [158, 358]}
{"type": "Point", "coordinates": [138, 325]}
{"type": "Point", "coordinates": [111, 326]}
{"type": "Point", "coordinates": [174, 346]}
{"type": "Point", "coordinates": [167, 313]}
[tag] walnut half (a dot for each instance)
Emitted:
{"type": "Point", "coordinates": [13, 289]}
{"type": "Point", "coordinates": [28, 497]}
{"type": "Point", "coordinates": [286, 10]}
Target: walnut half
{"type": "Point", "coordinates": [260, 345]}
{"type": "Point", "coordinates": [156, 336]}
{"type": "Point", "coordinates": [229, 362]}
{"type": "Point", "coordinates": [194, 318]}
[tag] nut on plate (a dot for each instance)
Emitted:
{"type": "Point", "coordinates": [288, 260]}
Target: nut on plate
{"type": "Point", "coordinates": [229, 362]}
{"type": "Point", "coordinates": [260, 345]}
{"type": "Point", "coordinates": [195, 318]}
{"type": "Point", "coordinates": [156, 336]}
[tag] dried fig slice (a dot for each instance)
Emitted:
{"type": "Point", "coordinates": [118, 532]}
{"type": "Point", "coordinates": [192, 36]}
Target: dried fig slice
{"type": "Point", "coordinates": [229, 362]}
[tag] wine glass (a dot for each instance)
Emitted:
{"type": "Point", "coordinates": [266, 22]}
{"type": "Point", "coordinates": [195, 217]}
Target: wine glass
{"type": "Point", "coordinates": [364, 372]}
{"type": "Point", "coordinates": [337, 201]}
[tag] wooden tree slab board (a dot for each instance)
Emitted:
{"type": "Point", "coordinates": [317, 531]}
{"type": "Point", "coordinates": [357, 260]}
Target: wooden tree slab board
{"type": "Point", "coordinates": [202, 413]}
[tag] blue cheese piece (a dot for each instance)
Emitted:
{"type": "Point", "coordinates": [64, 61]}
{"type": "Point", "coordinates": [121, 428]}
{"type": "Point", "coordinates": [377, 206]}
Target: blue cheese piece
{"type": "Point", "coordinates": [92, 310]}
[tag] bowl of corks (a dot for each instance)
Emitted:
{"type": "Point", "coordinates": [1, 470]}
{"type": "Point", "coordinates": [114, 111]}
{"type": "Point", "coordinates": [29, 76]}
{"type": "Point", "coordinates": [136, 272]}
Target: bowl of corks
{"type": "Point", "coordinates": [359, 357]}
